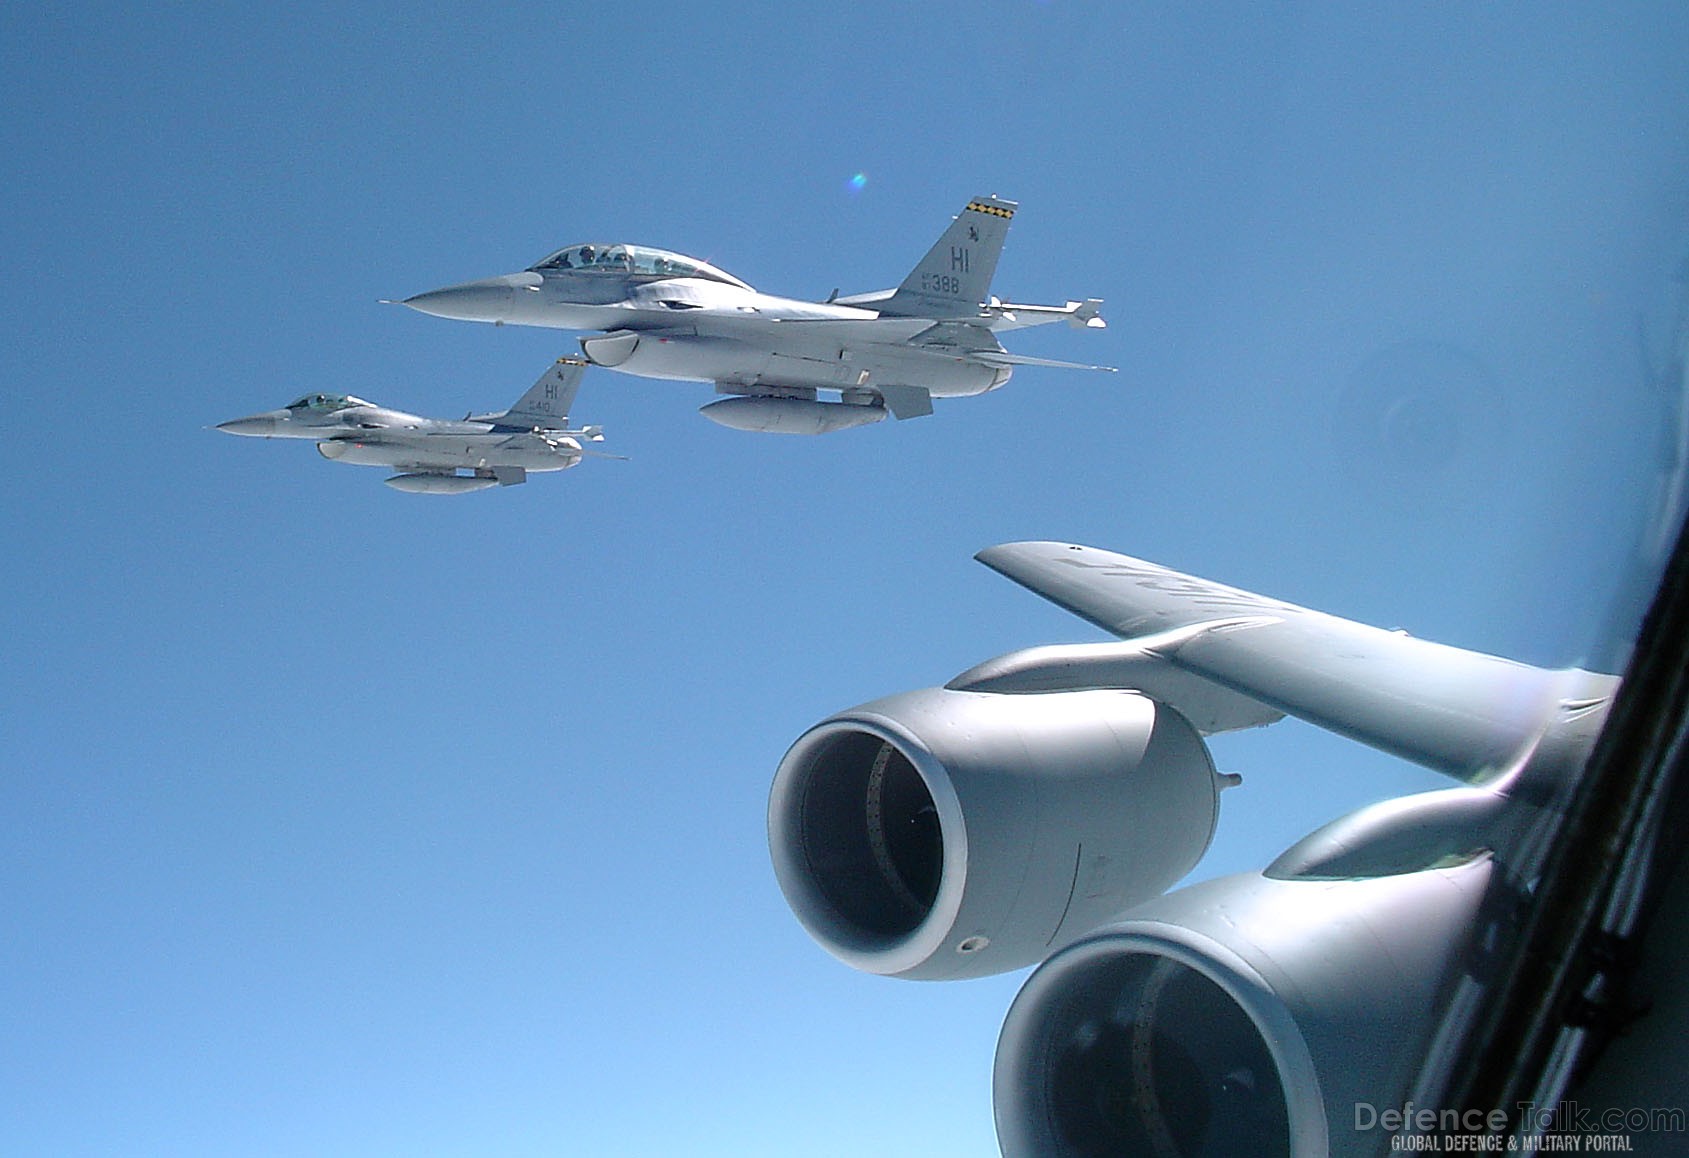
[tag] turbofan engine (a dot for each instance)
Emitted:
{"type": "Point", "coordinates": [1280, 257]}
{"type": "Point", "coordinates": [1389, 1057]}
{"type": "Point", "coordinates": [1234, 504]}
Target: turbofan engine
{"type": "Point", "coordinates": [1253, 1015]}
{"type": "Point", "coordinates": [946, 833]}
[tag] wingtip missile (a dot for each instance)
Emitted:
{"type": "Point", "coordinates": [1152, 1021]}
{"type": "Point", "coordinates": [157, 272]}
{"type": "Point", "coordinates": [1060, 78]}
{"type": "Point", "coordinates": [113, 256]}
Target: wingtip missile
{"type": "Point", "coordinates": [1085, 315]}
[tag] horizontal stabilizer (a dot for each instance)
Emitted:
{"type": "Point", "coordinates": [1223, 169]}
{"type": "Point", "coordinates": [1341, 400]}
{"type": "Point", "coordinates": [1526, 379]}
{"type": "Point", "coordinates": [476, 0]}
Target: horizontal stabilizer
{"type": "Point", "coordinates": [1462, 713]}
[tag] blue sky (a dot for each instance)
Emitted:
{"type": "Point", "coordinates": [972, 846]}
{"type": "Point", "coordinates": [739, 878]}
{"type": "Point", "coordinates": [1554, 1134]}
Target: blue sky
{"type": "Point", "coordinates": [342, 821]}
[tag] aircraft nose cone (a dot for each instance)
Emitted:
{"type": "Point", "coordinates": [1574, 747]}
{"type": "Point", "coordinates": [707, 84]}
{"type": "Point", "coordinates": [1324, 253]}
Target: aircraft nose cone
{"type": "Point", "coordinates": [258, 425]}
{"type": "Point", "coordinates": [488, 300]}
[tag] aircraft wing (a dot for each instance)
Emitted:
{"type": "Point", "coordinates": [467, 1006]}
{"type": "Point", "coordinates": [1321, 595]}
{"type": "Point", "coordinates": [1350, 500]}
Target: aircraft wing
{"type": "Point", "coordinates": [1004, 358]}
{"type": "Point", "coordinates": [1465, 714]}
{"type": "Point", "coordinates": [971, 341]}
{"type": "Point", "coordinates": [885, 331]}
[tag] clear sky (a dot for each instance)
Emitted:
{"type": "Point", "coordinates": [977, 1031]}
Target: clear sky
{"type": "Point", "coordinates": [344, 821]}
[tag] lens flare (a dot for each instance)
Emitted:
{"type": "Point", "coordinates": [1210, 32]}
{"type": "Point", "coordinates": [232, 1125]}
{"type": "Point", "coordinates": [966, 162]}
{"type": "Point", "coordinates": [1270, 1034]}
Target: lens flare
{"type": "Point", "coordinates": [858, 182]}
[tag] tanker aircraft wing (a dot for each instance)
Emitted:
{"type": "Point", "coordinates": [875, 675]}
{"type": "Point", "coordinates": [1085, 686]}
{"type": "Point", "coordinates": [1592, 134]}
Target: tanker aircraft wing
{"type": "Point", "coordinates": [1436, 965]}
{"type": "Point", "coordinates": [1458, 712]}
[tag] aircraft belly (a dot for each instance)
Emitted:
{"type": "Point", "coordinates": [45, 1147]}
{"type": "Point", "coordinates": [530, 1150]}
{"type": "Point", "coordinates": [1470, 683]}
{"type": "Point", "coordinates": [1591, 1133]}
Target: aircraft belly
{"type": "Point", "coordinates": [943, 375]}
{"type": "Point", "coordinates": [688, 355]}
{"type": "Point", "coordinates": [798, 356]}
{"type": "Point", "coordinates": [799, 370]}
{"type": "Point", "coordinates": [445, 454]}
{"type": "Point", "coordinates": [835, 354]}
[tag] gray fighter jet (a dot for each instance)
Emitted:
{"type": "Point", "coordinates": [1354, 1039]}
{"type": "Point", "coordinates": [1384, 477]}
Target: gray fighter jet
{"type": "Point", "coordinates": [496, 449]}
{"type": "Point", "coordinates": [791, 367]}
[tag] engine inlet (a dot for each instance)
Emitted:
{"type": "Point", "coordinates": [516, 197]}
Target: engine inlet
{"type": "Point", "coordinates": [1145, 1055]}
{"type": "Point", "coordinates": [869, 832]}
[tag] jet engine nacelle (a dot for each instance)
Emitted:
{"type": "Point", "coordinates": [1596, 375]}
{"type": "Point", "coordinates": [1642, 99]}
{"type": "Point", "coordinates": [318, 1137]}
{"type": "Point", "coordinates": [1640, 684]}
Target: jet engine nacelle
{"type": "Point", "coordinates": [1273, 1017]}
{"type": "Point", "coordinates": [944, 833]}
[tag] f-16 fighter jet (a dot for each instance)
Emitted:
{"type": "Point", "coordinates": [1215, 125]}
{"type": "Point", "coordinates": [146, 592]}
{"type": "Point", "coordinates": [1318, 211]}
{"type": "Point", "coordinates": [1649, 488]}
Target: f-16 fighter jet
{"type": "Point", "coordinates": [496, 449]}
{"type": "Point", "coordinates": [790, 367]}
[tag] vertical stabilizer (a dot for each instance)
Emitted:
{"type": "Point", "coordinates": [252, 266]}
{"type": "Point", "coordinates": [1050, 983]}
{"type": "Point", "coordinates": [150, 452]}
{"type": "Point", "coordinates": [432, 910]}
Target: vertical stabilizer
{"type": "Point", "coordinates": [546, 405]}
{"type": "Point", "coordinates": [954, 279]}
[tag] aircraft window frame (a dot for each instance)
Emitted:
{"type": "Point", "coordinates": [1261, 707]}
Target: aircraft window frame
{"type": "Point", "coordinates": [325, 403]}
{"type": "Point", "coordinates": [630, 260]}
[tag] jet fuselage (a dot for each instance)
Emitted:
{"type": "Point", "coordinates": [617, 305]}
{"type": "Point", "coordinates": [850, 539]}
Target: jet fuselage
{"type": "Point", "coordinates": [694, 329]}
{"type": "Point", "coordinates": [533, 435]}
{"type": "Point", "coordinates": [813, 367]}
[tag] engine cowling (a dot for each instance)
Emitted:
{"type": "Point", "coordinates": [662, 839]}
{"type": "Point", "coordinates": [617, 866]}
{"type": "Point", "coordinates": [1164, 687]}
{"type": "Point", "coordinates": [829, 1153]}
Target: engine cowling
{"type": "Point", "coordinates": [945, 834]}
{"type": "Point", "coordinates": [1278, 1018]}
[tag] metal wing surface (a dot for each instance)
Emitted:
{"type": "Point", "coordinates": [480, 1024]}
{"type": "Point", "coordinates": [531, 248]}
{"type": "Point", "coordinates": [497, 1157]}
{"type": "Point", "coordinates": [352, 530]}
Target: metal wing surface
{"type": "Point", "coordinates": [970, 341]}
{"type": "Point", "coordinates": [1462, 713]}
{"type": "Point", "coordinates": [884, 331]}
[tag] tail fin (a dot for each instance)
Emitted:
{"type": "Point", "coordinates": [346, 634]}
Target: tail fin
{"type": "Point", "coordinates": [547, 404]}
{"type": "Point", "coordinates": [954, 279]}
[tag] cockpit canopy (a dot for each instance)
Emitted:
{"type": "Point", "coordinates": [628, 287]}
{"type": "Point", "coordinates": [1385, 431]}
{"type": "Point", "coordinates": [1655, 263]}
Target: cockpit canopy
{"type": "Point", "coordinates": [326, 403]}
{"type": "Point", "coordinates": [632, 260]}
